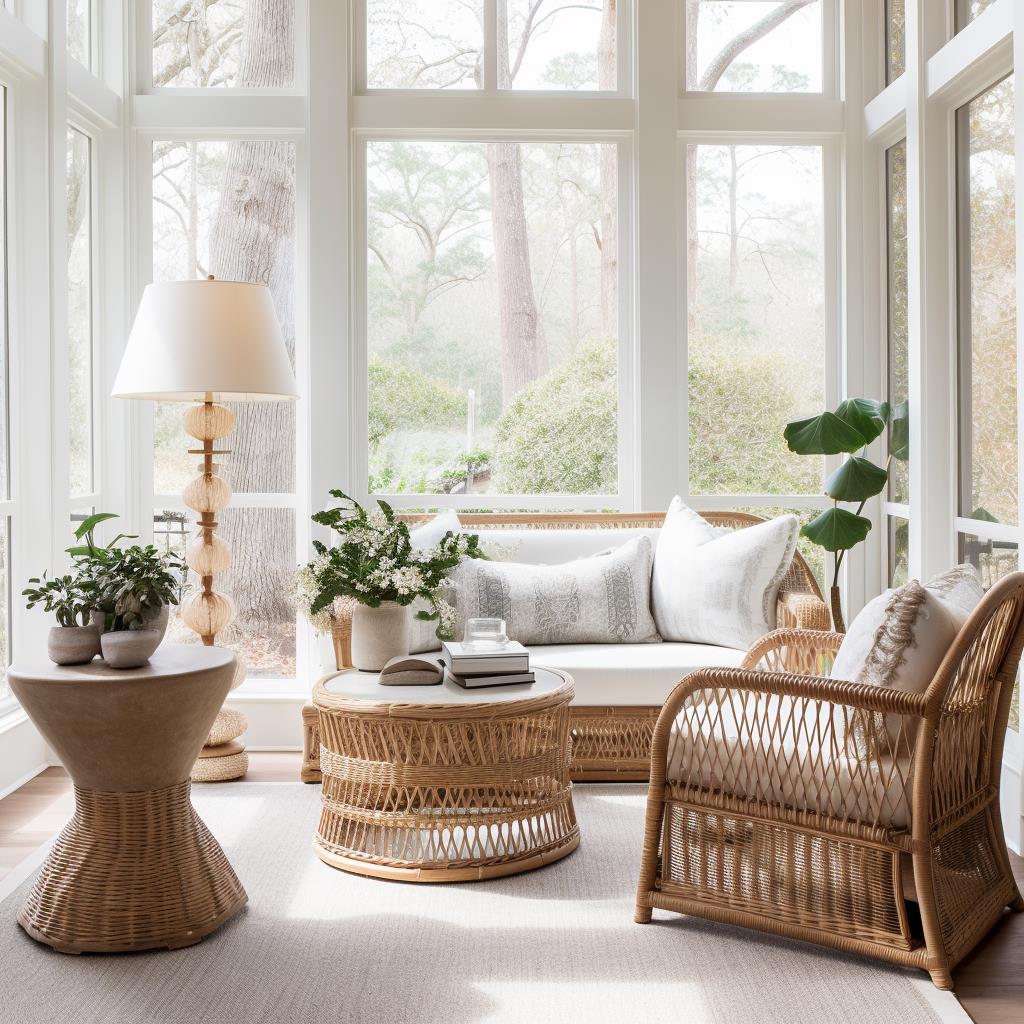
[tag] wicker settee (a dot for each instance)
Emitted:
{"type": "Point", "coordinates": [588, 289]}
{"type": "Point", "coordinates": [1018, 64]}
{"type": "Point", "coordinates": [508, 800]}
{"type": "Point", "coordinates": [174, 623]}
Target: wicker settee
{"type": "Point", "coordinates": [761, 813]}
{"type": "Point", "coordinates": [611, 731]}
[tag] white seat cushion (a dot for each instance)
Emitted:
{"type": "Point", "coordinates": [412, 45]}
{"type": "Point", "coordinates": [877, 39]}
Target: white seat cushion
{"type": "Point", "coordinates": [634, 675]}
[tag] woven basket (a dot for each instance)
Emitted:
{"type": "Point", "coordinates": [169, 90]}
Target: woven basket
{"type": "Point", "coordinates": [228, 725]}
{"type": "Point", "coordinates": [220, 769]}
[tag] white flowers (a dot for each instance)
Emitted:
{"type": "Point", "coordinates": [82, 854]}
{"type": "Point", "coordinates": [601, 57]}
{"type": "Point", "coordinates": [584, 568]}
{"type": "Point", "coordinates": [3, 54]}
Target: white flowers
{"type": "Point", "coordinates": [305, 589]}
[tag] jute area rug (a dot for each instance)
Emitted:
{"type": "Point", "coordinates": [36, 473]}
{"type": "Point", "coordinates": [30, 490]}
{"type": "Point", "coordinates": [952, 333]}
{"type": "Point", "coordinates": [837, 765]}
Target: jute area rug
{"type": "Point", "coordinates": [317, 945]}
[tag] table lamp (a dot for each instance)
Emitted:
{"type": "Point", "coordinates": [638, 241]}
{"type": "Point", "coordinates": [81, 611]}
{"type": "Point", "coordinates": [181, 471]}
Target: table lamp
{"type": "Point", "coordinates": [204, 342]}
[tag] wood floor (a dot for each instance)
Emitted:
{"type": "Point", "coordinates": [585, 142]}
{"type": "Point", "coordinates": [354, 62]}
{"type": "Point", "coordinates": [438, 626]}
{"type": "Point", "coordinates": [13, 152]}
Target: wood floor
{"type": "Point", "coordinates": [990, 984]}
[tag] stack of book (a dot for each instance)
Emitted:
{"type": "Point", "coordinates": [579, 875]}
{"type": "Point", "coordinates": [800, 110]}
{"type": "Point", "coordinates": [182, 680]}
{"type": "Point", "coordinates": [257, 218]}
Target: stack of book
{"type": "Point", "coordinates": [473, 666]}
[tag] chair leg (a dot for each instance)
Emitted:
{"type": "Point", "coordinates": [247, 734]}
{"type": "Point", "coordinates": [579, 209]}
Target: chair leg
{"type": "Point", "coordinates": [649, 858]}
{"type": "Point", "coordinates": [942, 979]}
{"type": "Point", "coordinates": [1017, 905]}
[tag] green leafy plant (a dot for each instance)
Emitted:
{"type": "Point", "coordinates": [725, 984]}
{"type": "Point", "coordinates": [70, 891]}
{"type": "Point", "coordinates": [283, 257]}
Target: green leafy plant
{"type": "Point", "coordinates": [66, 597]}
{"type": "Point", "coordinates": [856, 423]}
{"type": "Point", "coordinates": [374, 561]}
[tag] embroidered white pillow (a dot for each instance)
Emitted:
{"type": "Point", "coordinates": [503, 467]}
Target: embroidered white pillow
{"type": "Point", "coordinates": [715, 588]}
{"type": "Point", "coordinates": [602, 600]}
{"type": "Point", "coordinates": [423, 634]}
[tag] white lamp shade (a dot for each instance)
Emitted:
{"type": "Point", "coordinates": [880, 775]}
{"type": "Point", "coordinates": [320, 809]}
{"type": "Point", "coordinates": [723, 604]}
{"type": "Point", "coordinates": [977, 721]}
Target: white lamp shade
{"type": "Point", "coordinates": [206, 340]}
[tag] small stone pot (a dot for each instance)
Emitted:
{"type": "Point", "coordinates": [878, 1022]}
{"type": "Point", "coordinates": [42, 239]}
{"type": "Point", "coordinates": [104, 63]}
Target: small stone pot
{"type": "Point", "coordinates": [129, 648]}
{"type": "Point", "coordinates": [72, 645]}
{"type": "Point", "coordinates": [153, 618]}
{"type": "Point", "coordinates": [378, 635]}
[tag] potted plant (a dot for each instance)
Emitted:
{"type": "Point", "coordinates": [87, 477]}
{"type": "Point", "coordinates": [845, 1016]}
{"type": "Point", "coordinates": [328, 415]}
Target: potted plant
{"type": "Point", "coordinates": [374, 564]}
{"type": "Point", "coordinates": [131, 588]}
{"type": "Point", "coordinates": [849, 430]}
{"type": "Point", "coordinates": [75, 640]}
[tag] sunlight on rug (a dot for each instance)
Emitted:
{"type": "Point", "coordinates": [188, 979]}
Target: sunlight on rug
{"type": "Point", "coordinates": [317, 945]}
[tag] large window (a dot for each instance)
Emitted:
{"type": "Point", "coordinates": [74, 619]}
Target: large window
{"type": "Point", "coordinates": [228, 209]}
{"type": "Point", "coordinates": [80, 43]}
{"type": "Point", "coordinates": [756, 314]}
{"type": "Point", "coordinates": [895, 39]}
{"type": "Point", "coordinates": [6, 504]}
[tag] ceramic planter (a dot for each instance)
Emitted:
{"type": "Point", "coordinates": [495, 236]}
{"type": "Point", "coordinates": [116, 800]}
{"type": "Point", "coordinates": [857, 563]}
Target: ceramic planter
{"type": "Point", "coordinates": [129, 648]}
{"type": "Point", "coordinates": [152, 618]}
{"type": "Point", "coordinates": [378, 635]}
{"type": "Point", "coordinates": [72, 645]}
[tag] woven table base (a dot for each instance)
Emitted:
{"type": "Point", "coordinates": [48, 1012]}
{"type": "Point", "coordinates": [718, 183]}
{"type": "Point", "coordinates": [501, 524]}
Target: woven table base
{"type": "Point", "coordinates": [131, 871]}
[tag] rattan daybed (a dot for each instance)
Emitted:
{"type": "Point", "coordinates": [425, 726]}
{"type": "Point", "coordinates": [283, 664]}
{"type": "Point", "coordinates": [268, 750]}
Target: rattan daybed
{"type": "Point", "coordinates": [760, 813]}
{"type": "Point", "coordinates": [611, 741]}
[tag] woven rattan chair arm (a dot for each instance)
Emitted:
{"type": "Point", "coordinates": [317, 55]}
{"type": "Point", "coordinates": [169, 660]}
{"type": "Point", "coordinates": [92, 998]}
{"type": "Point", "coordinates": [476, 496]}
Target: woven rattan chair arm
{"type": "Point", "coordinates": [800, 610]}
{"type": "Point", "coordinates": [804, 639]}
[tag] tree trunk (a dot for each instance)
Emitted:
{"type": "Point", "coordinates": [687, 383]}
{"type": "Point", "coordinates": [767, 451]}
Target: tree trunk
{"type": "Point", "coordinates": [253, 240]}
{"type": "Point", "coordinates": [607, 79]}
{"type": "Point", "coordinates": [523, 351]}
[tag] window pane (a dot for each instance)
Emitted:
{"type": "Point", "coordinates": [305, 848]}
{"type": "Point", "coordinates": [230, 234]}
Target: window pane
{"type": "Point", "coordinates": [79, 31]}
{"type": "Point", "coordinates": [248, 44]}
{"type": "Point", "coordinates": [987, 300]}
{"type": "Point", "coordinates": [899, 551]}
{"type": "Point", "coordinates": [756, 315]}
{"type": "Point", "coordinates": [898, 325]}
{"type": "Point", "coordinates": [895, 39]}
{"type": "Point", "coordinates": [968, 10]}
{"type": "Point", "coordinates": [228, 209]}
{"type": "Point", "coordinates": [753, 46]}
{"type": "Point", "coordinates": [80, 355]}
{"type": "Point", "coordinates": [5, 606]}
{"type": "Point", "coordinates": [407, 48]}
{"type": "Point", "coordinates": [5, 488]}
{"type": "Point", "coordinates": [557, 44]}
{"type": "Point", "coordinates": [262, 543]}
{"type": "Point", "coordinates": [493, 324]}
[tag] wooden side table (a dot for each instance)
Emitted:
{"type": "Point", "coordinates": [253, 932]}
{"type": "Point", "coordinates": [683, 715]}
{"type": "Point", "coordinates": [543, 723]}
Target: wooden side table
{"type": "Point", "coordinates": [135, 868]}
{"type": "Point", "coordinates": [442, 784]}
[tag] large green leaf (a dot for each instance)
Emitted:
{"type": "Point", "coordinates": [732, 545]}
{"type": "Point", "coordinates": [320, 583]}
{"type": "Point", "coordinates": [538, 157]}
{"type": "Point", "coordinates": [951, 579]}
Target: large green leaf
{"type": "Point", "coordinates": [865, 415]}
{"type": "Point", "coordinates": [856, 479]}
{"type": "Point", "coordinates": [899, 438]}
{"type": "Point", "coordinates": [91, 522]}
{"type": "Point", "coordinates": [836, 529]}
{"type": "Point", "coordinates": [826, 434]}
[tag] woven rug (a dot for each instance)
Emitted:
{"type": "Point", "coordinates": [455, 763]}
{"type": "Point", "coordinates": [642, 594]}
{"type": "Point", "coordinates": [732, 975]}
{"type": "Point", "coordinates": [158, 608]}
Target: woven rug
{"type": "Point", "coordinates": [316, 945]}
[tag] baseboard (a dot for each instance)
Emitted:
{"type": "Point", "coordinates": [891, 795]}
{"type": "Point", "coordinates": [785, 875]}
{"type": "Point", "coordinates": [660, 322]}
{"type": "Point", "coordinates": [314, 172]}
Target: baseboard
{"type": "Point", "coordinates": [27, 777]}
{"type": "Point", "coordinates": [24, 754]}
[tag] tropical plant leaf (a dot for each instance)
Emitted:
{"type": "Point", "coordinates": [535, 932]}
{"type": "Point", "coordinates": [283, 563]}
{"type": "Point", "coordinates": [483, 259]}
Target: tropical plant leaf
{"type": "Point", "coordinates": [826, 434]}
{"type": "Point", "coordinates": [837, 529]}
{"type": "Point", "coordinates": [856, 479]}
{"type": "Point", "coordinates": [899, 437]}
{"type": "Point", "coordinates": [91, 522]}
{"type": "Point", "coordinates": [865, 415]}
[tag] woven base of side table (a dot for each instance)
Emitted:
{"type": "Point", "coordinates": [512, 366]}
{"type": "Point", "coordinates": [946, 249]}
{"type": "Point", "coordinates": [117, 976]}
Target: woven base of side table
{"type": "Point", "coordinates": [132, 871]}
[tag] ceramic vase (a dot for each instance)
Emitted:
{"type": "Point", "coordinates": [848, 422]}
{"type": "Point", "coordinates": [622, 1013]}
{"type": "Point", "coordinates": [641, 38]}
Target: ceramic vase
{"type": "Point", "coordinates": [378, 635]}
{"type": "Point", "coordinates": [129, 648]}
{"type": "Point", "coordinates": [72, 645]}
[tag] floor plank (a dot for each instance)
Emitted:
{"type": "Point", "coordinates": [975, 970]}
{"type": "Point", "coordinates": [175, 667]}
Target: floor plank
{"type": "Point", "coordinates": [989, 983]}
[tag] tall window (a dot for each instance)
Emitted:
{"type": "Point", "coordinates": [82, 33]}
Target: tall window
{"type": "Point", "coordinates": [492, 266]}
{"type": "Point", "coordinates": [80, 31]}
{"type": "Point", "coordinates": [895, 39]}
{"type": "Point", "coordinates": [81, 463]}
{"type": "Point", "coordinates": [6, 506]}
{"type": "Point", "coordinates": [756, 314]}
{"type": "Point", "coordinates": [989, 402]}
{"type": "Point", "coordinates": [782, 51]}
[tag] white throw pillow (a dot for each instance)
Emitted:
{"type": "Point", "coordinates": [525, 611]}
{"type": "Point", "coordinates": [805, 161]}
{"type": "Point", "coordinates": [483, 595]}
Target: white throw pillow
{"type": "Point", "coordinates": [715, 588]}
{"type": "Point", "coordinates": [423, 634]}
{"type": "Point", "coordinates": [589, 601]}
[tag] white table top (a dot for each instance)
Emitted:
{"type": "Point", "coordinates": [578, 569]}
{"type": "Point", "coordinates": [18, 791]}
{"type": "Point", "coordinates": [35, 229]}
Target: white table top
{"type": "Point", "coordinates": [354, 685]}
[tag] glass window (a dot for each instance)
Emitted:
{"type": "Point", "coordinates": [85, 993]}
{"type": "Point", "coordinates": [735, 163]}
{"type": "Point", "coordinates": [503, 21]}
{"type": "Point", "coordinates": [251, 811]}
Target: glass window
{"type": "Point", "coordinates": [228, 209]}
{"type": "Point", "coordinates": [557, 44]}
{"type": "Point", "coordinates": [80, 31]}
{"type": "Point", "coordinates": [753, 46]}
{"type": "Point", "coordinates": [895, 39]}
{"type": "Point", "coordinates": [756, 314]}
{"type": "Point", "coordinates": [492, 323]}
{"type": "Point", "coordinates": [80, 319]}
{"type": "Point", "coordinates": [968, 10]}
{"type": "Point", "coordinates": [228, 43]}
{"type": "Point", "coordinates": [987, 307]}
{"type": "Point", "coordinates": [899, 551]}
{"type": "Point", "coordinates": [406, 49]}
{"type": "Point", "coordinates": [898, 324]}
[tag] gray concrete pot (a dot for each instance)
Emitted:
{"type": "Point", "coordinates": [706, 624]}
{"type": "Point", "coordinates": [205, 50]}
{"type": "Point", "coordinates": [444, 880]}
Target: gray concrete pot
{"type": "Point", "coordinates": [378, 635]}
{"type": "Point", "coordinates": [72, 645]}
{"type": "Point", "coordinates": [154, 618]}
{"type": "Point", "coordinates": [129, 648]}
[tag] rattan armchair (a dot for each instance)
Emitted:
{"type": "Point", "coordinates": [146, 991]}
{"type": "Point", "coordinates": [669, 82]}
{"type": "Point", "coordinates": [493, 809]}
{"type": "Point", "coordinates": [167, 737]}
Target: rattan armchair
{"type": "Point", "coordinates": [769, 808]}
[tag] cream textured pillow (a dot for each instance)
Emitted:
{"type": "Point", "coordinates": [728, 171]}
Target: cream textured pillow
{"type": "Point", "coordinates": [602, 600]}
{"type": "Point", "coordinates": [715, 588]}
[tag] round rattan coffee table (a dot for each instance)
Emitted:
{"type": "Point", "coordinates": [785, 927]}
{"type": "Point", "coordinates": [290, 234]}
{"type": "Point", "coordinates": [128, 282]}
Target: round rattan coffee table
{"type": "Point", "coordinates": [442, 784]}
{"type": "Point", "coordinates": [135, 868]}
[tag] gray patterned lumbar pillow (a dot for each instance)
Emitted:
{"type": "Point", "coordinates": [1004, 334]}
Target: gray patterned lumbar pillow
{"type": "Point", "coordinates": [600, 600]}
{"type": "Point", "coordinates": [710, 588]}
